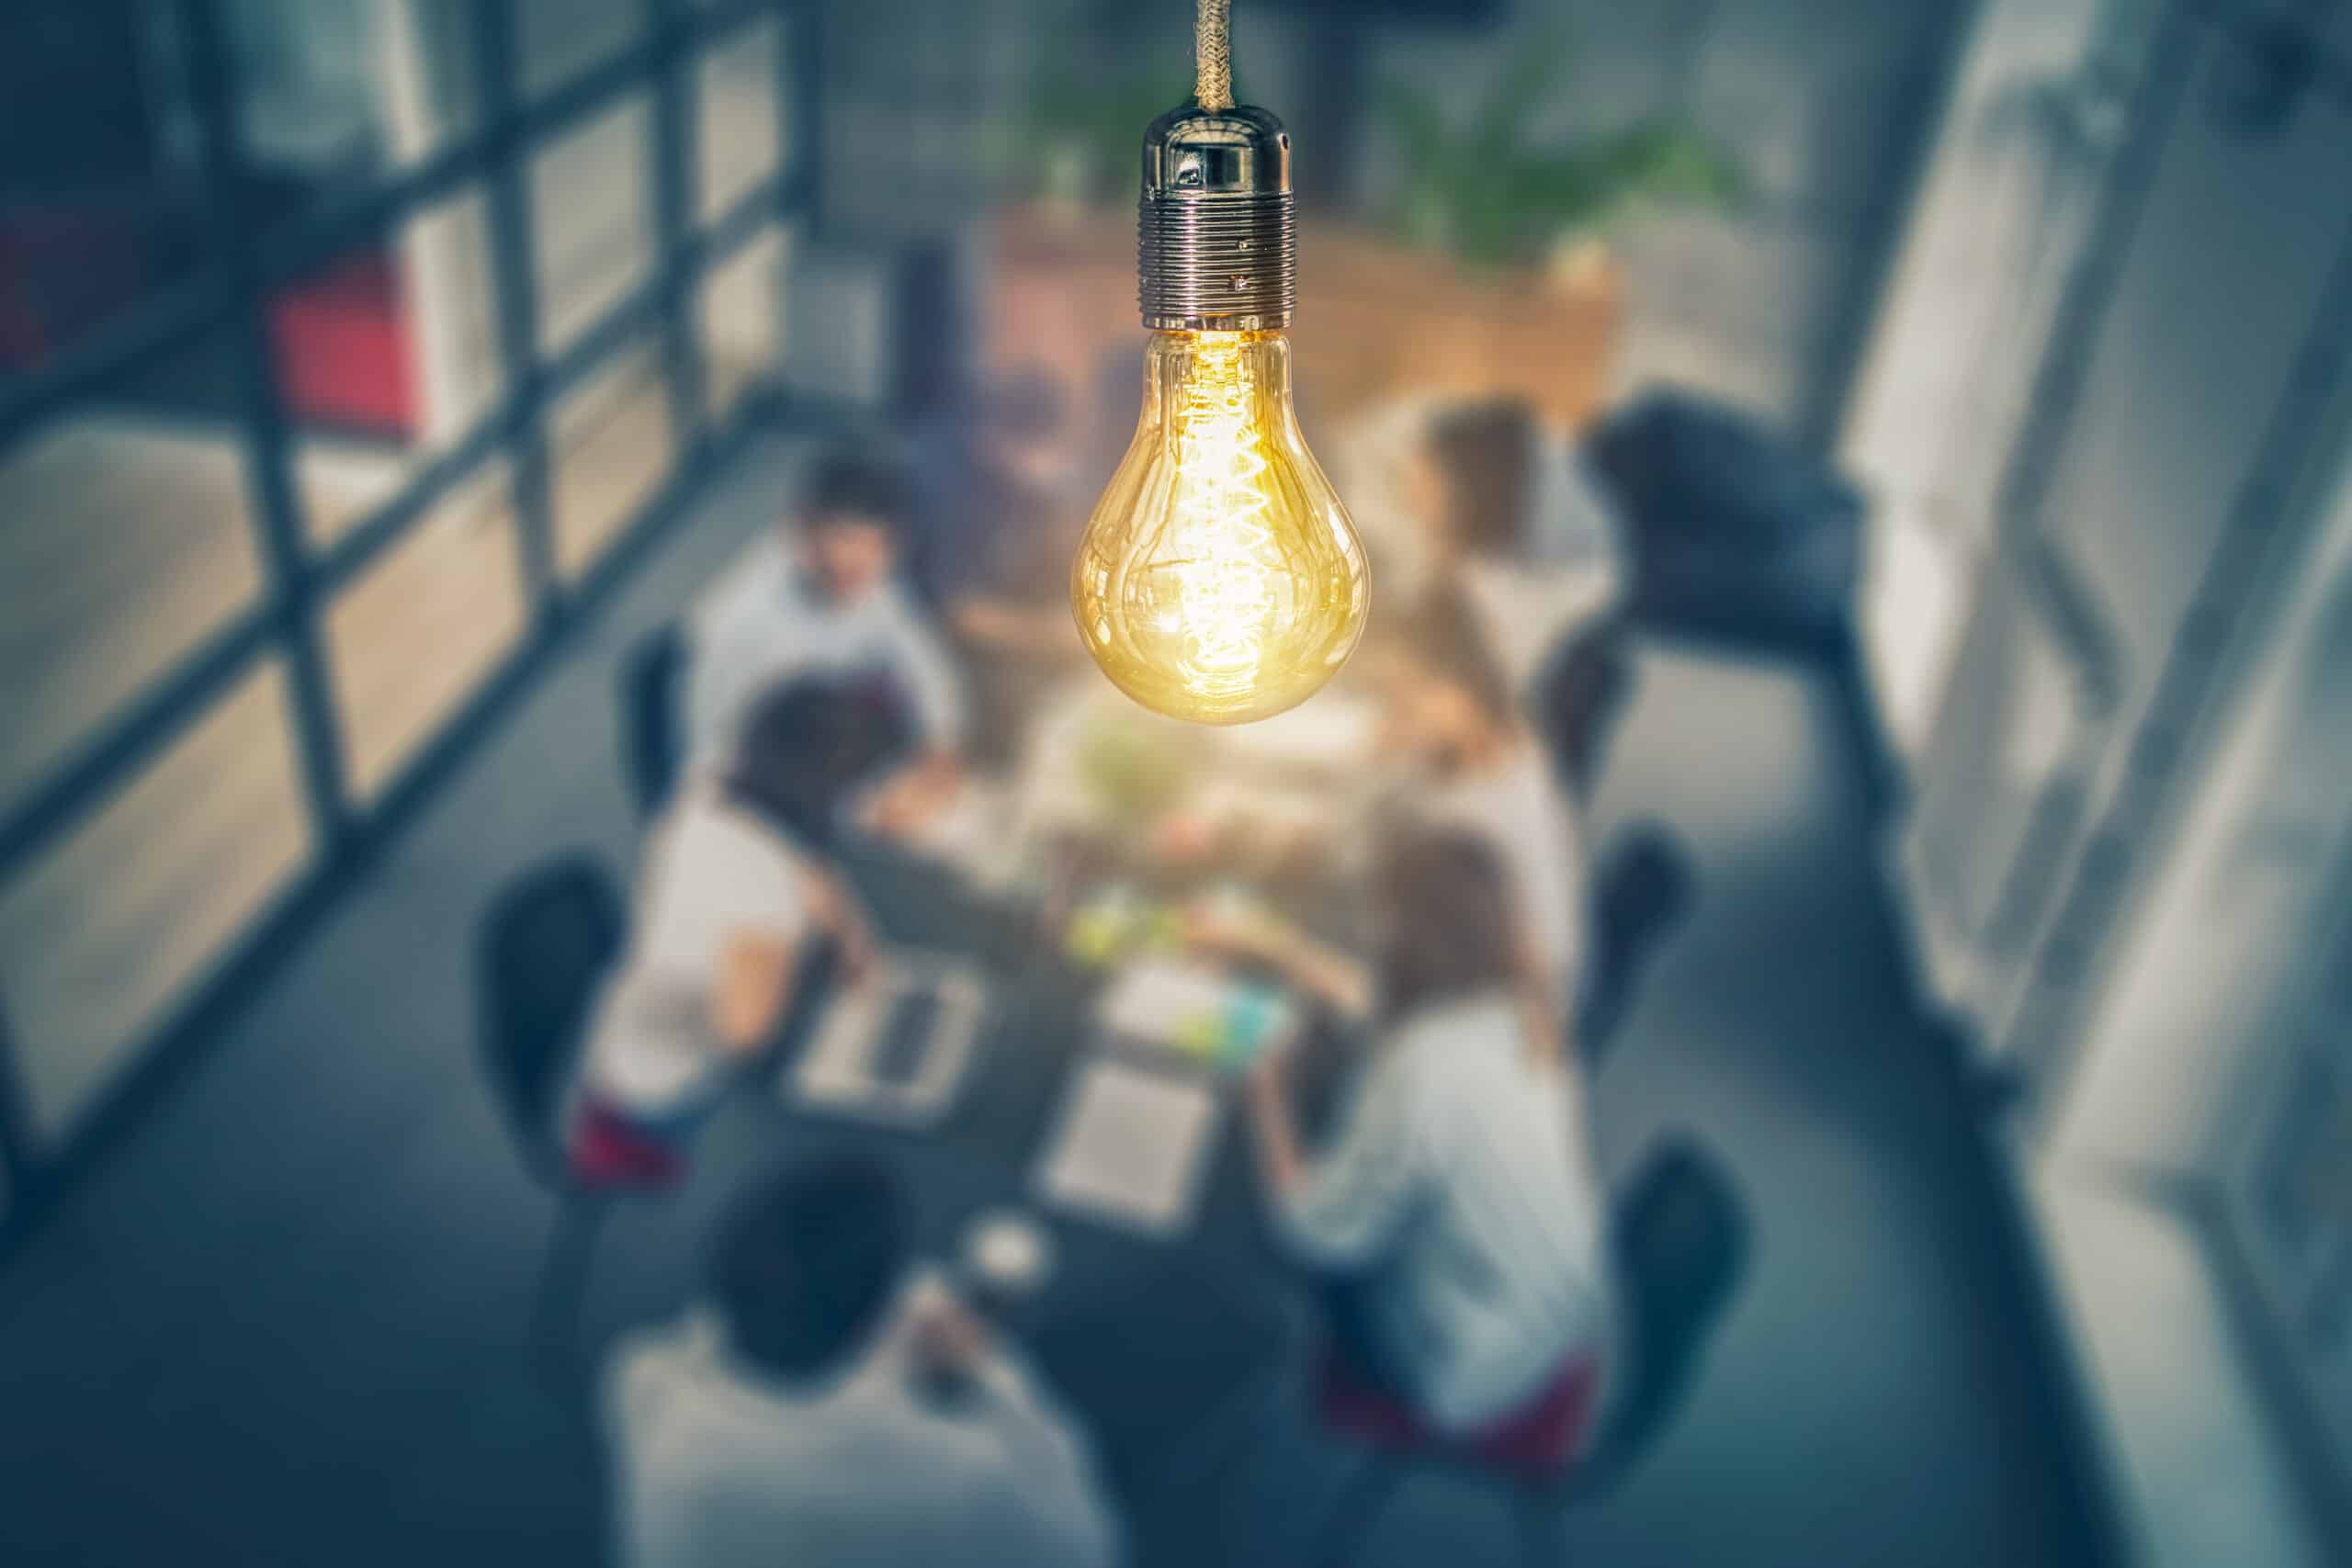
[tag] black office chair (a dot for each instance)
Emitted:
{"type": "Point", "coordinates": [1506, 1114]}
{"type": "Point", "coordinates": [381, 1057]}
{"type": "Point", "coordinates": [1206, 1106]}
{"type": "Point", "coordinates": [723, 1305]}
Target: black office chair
{"type": "Point", "coordinates": [544, 942]}
{"type": "Point", "coordinates": [1646, 889]}
{"type": "Point", "coordinates": [1581, 695]}
{"type": "Point", "coordinates": [654, 730]}
{"type": "Point", "coordinates": [1679, 1238]}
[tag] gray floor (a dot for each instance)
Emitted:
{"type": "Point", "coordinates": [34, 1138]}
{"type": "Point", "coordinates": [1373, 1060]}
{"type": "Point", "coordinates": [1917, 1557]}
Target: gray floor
{"type": "Point", "coordinates": [280, 1323]}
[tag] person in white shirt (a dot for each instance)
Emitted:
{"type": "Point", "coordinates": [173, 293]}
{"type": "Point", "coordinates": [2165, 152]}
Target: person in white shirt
{"type": "Point", "coordinates": [1483, 501]}
{"type": "Point", "coordinates": [736, 888]}
{"type": "Point", "coordinates": [1455, 1219]}
{"type": "Point", "coordinates": [836, 1408]}
{"type": "Point", "coordinates": [1452, 734]}
{"type": "Point", "coordinates": [822, 595]}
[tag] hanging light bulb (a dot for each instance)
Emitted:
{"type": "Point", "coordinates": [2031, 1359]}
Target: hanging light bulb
{"type": "Point", "coordinates": [1220, 580]}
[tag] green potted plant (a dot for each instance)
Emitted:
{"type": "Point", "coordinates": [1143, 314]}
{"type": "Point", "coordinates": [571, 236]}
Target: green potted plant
{"type": "Point", "coordinates": [1487, 195]}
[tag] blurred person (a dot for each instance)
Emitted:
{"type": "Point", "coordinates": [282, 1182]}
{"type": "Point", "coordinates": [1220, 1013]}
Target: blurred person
{"type": "Point", "coordinates": [737, 887]}
{"type": "Point", "coordinates": [1510, 526]}
{"type": "Point", "coordinates": [1457, 751]}
{"type": "Point", "coordinates": [1450, 748]}
{"type": "Point", "coordinates": [832, 1405]}
{"type": "Point", "coordinates": [821, 596]}
{"type": "Point", "coordinates": [1454, 1223]}
{"type": "Point", "coordinates": [1001, 515]}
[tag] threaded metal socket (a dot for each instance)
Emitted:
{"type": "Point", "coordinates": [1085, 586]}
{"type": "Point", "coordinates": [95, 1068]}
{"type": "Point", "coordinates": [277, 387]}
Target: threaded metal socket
{"type": "Point", "coordinates": [1216, 245]}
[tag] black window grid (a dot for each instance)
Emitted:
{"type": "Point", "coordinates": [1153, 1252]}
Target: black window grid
{"type": "Point", "coordinates": [228, 292]}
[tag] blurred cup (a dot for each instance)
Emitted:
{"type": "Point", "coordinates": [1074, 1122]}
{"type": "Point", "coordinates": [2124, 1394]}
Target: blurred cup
{"type": "Point", "coordinates": [1007, 1259]}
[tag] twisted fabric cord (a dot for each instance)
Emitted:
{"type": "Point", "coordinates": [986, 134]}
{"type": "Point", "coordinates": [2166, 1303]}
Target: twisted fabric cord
{"type": "Point", "coordinates": [1213, 46]}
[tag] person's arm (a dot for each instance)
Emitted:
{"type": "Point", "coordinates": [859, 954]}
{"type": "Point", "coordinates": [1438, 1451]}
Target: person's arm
{"type": "Point", "coordinates": [784, 904]}
{"type": "Point", "coordinates": [933, 684]}
{"type": "Point", "coordinates": [1343, 1210]}
{"type": "Point", "coordinates": [753, 989]}
{"type": "Point", "coordinates": [1054, 1501]}
{"type": "Point", "coordinates": [715, 683]}
{"type": "Point", "coordinates": [1332, 977]}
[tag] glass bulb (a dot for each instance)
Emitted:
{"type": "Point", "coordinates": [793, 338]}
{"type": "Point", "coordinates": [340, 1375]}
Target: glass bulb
{"type": "Point", "coordinates": [1220, 580]}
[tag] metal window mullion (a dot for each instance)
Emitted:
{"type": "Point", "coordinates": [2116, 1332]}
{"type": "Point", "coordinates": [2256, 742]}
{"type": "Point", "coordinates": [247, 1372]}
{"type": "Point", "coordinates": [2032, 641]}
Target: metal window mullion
{"type": "Point", "coordinates": [18, 1135]}
{"type": "Point", "coordinates": [277, 504]}
{"type": "Point", "coordinates": [676, 93]}
{"type": "Point", "coordinates": [515, 285]}
{"type": "Point", "coordinates": [800, 155]}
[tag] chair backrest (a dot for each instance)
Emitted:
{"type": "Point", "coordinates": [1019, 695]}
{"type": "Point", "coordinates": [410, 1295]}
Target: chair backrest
{"type": "Point", "coordinates": [1644, 888]}
{"type": "Point", "coordinates": [544, 942]}
{"type": "Point", "coordinates": [1681, 1238]}
{"type": "Point", "coordinates": [1582, 693]}
{"type": "Point", "coordinates": [653, 696]}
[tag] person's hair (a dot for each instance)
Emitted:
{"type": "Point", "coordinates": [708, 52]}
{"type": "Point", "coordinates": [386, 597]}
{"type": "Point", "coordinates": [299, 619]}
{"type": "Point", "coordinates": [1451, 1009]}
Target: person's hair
{"type": "Point", "coordinates": [1442, 636]}
{"type": "Point", "coordinates": [1453, 933]}
{"type": "Point", "coordinates": [1487, 453]}
{"type": "Point", "coordinates": [803, 1266]}
{"type": "Point", "coordinates": [807, 744]}
{"type": "Point", "coordinates": [857, 479]}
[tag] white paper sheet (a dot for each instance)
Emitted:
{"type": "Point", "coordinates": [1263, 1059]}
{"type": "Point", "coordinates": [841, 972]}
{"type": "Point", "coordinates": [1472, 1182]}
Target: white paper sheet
{"type": "Point", "coordinates": [1130, 1147]}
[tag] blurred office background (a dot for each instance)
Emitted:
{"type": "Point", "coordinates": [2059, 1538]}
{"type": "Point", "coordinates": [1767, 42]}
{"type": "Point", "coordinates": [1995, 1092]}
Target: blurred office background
{"type": "Point", "coordinates": [376, 374]}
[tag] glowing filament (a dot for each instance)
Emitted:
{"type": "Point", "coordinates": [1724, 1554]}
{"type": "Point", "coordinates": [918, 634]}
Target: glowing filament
{"type": "Point", "coordinates": [1225, 560]}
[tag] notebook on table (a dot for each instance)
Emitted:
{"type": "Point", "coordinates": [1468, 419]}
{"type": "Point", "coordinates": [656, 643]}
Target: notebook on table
{"type": "Point", "coordinates": [1197, 1013]}
{"type": "Point", "coordinates": [1130, 1146]}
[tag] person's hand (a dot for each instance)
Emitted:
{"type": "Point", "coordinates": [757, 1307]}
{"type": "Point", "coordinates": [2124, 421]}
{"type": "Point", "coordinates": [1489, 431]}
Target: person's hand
{"type": "Point", "coordinates": [899, 805]}
{"type": "Point", "coordinates": [839, 916]}
{"type": "Point", "coordinates": [949, 1342]}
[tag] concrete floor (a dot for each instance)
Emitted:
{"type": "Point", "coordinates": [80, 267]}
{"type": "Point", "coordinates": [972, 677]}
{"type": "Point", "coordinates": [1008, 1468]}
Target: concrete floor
{"type": "Point", "coordinates": [280, 1323]}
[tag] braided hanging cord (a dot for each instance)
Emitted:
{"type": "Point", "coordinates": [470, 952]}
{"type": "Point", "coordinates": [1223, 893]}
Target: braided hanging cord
{"type": "Point", "coordinates": [1213, 46]}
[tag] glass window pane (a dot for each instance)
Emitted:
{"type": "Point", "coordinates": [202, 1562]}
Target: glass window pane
{"type": "Point", "coordinates": [556, 40]}
{"type": "Point", "coordinates": [610, 449]}
{"type": "Point", "coordinates": [104, 929]}
{"type": "Point", "coordinates": [335, 96]}
{"type": "Point", "coordinates": [737, 98]}
{"type": "Point", "coordinates": [126, 537]}
{"type": "Point", "coordinates": [386, 355]}
{"type": "Point", "coordinates": [422, 628]}
{"type": "Point", "coordinates": [742, 312]}
{"type": "Point", "coordinates": [591, 221]}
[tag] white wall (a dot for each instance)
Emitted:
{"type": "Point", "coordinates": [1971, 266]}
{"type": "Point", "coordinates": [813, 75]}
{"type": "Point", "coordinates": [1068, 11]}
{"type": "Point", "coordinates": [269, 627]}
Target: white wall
{"type": "Point", "coordinates": [2200, 1016]}
{"type": "Point", "coordinates": [2070, 719]}
{"type": "Point", "coordinates": [2003, 209]}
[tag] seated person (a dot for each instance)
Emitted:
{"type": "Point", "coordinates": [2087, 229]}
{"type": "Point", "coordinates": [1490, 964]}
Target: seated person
{"type": "Point", "coordinates": [1001, 515]}
{"type": "Point", "coordinates": [1455, 1219]}
{"type": "Point", "coordinates": [1479, 488]}
{"type": "Point", "coordinates": [821, 597]}
{"type": "Point", "coordinates": [1002, 518]}
{"type": "Point", "coordinates": [1451, 735]}
{"type": "Point", "coordinates": [737, 885]}
{"type": "Point", "coordinates": [835, 1409]}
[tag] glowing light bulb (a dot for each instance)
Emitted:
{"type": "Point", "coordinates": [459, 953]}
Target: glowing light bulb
{"type": "Point", "coordinates": [1220, 580]}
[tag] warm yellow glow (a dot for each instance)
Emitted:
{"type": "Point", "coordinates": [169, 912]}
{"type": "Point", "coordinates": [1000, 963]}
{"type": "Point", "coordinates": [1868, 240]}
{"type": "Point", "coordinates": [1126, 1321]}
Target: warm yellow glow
{"type": "Point", "coordinates": [1220, 580]}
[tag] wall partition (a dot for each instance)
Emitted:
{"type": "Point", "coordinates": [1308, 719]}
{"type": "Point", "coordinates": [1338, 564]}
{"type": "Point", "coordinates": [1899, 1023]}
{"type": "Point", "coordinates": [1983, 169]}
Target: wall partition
{"type": "Point", "coordinates": [348, 349]}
